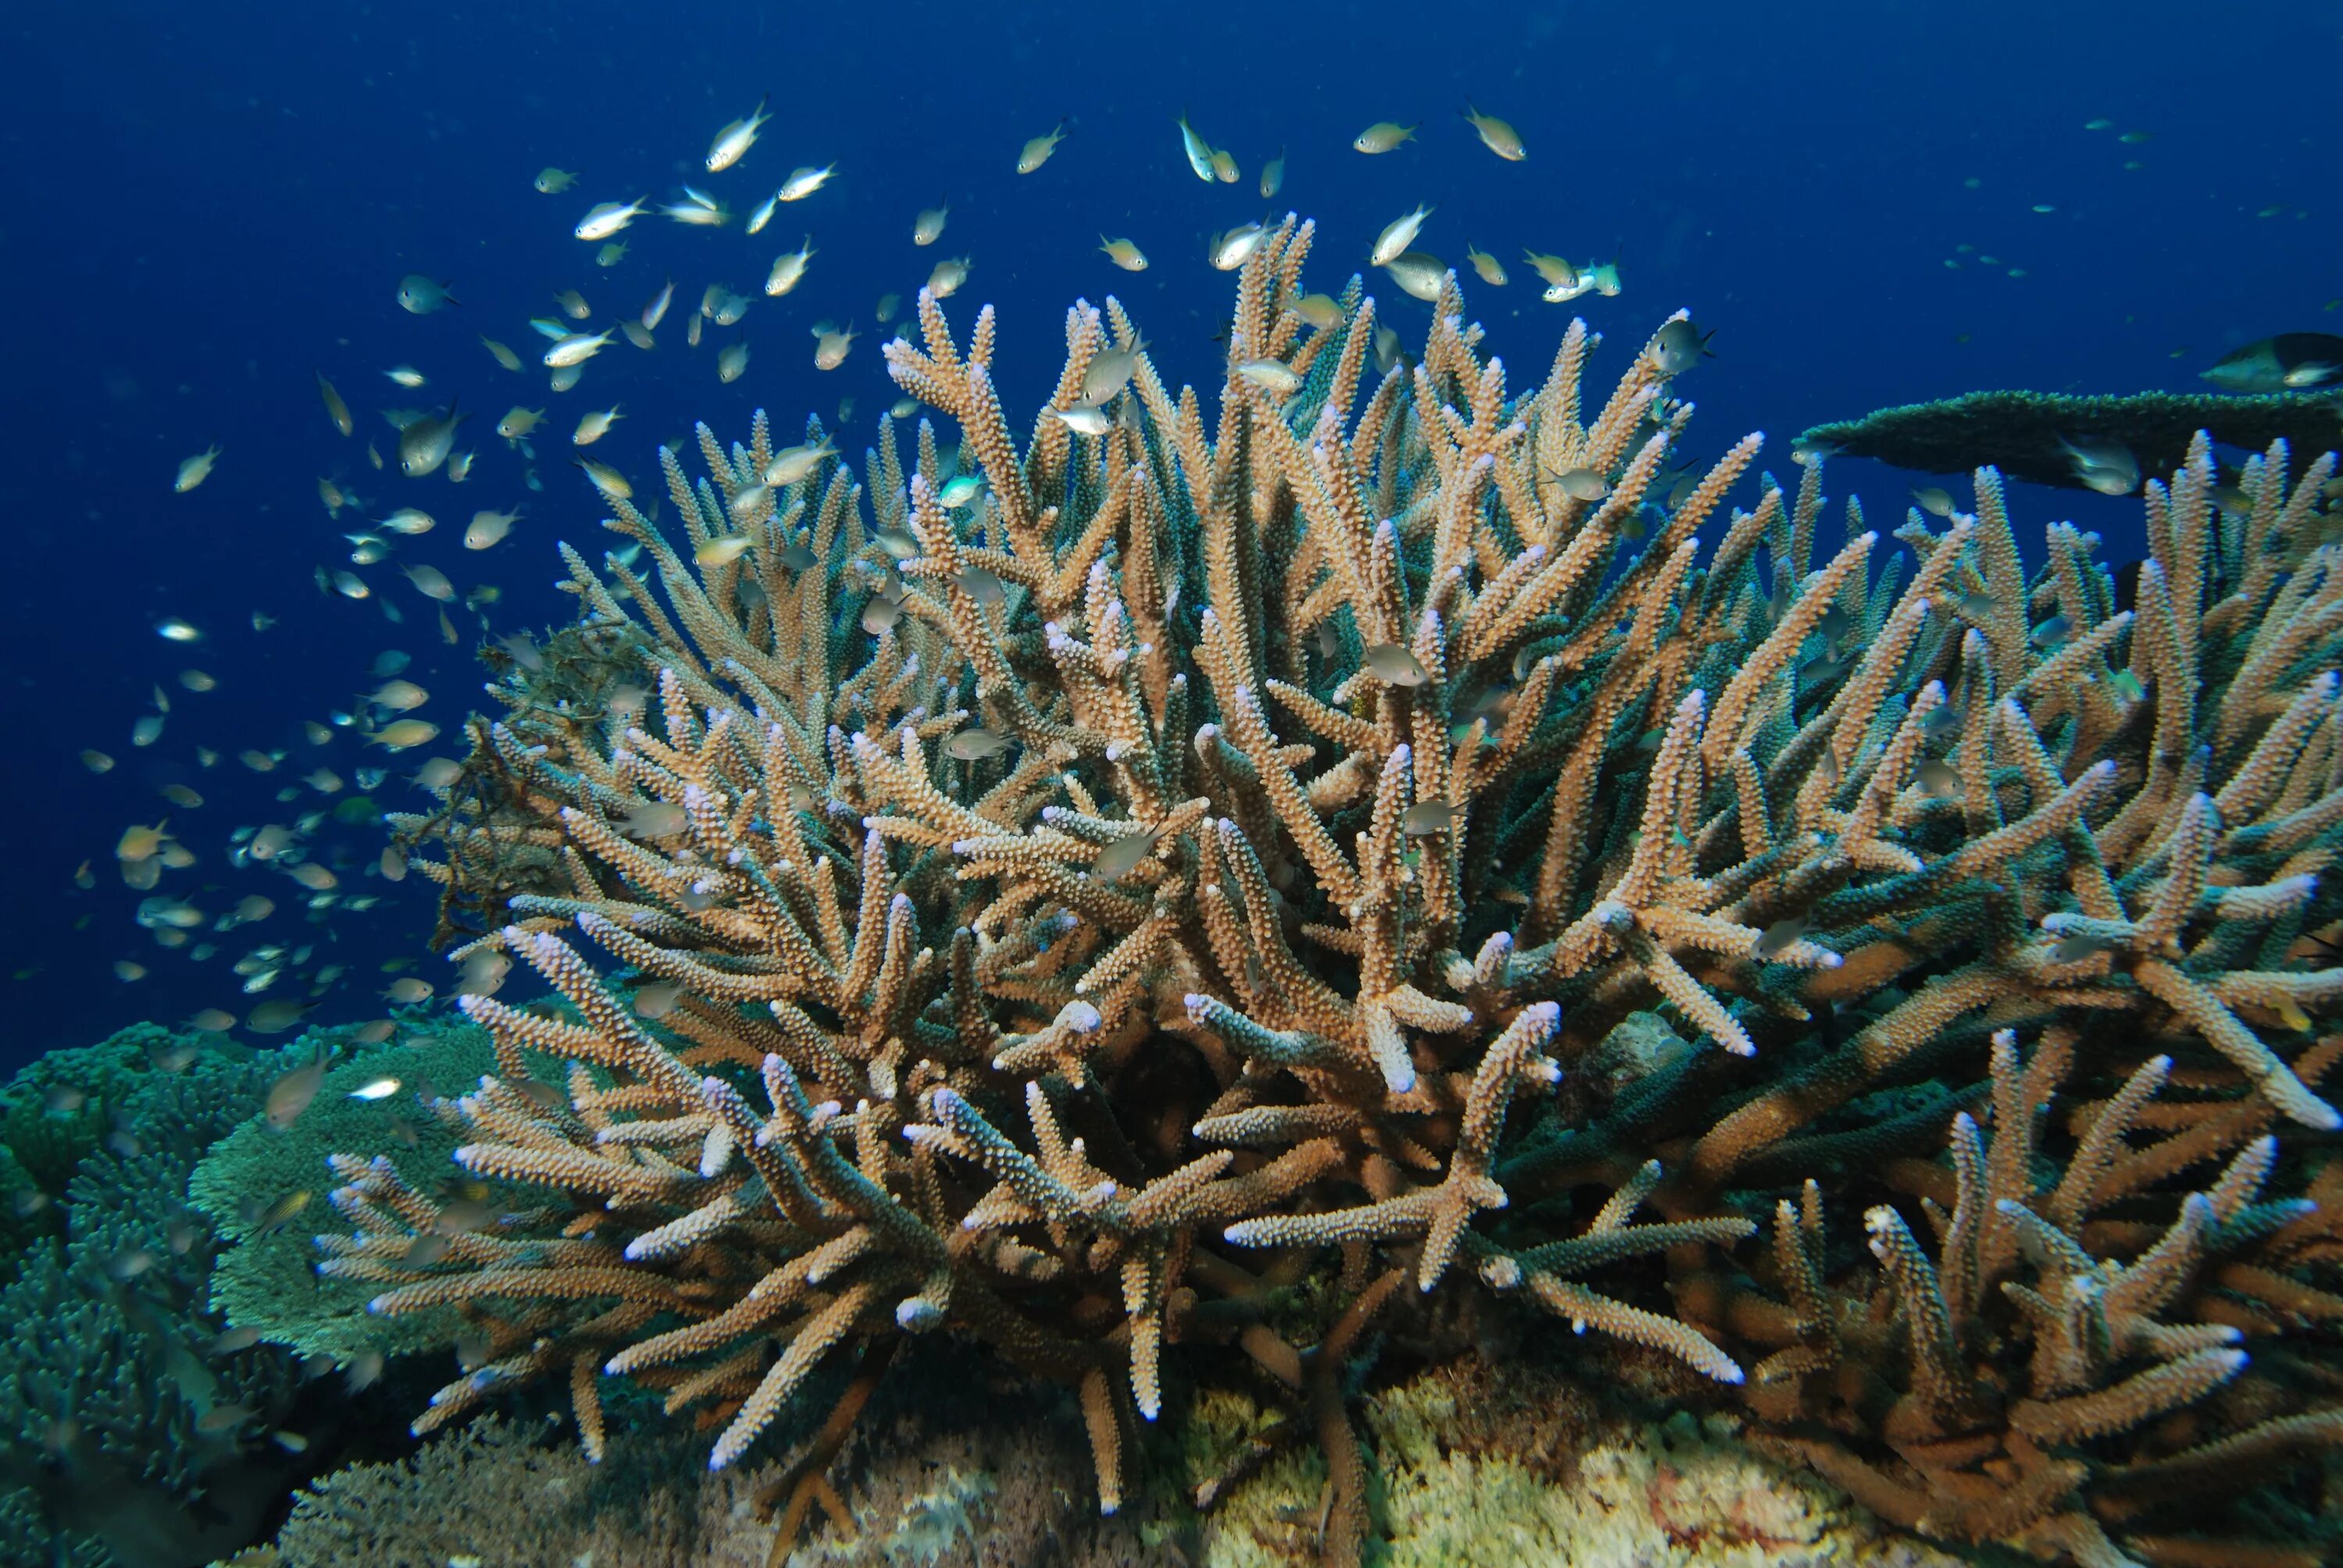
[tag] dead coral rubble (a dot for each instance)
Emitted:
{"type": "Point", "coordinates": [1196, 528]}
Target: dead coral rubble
{"type": "Point", "coordinates": [1076, 914]}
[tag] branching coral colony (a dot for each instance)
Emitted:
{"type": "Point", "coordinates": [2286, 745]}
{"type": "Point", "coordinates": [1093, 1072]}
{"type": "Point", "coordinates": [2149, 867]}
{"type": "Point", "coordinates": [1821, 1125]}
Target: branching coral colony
{"type": "Point", "coordinates": [1056, 910]}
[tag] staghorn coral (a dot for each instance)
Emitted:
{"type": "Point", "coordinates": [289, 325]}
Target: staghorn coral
{"type": "Point", "coordinates": [1063, 919]}
{"type": "Point", "coordinates": [2050, 1374]}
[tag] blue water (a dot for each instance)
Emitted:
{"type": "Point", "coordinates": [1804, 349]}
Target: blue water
{"type": "Point", "coordinates": [204, 202]}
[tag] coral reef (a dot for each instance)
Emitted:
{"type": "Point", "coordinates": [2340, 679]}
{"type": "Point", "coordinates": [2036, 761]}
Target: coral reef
{"type": "Point", "coordinates": [2053, 1369]}
{"type": "Point", "coordinates": [267, 1283]}
{"type": "Point", "coordinates": [2022, 434]}
{"type": "Point", "coordinates": [134, 1430]}
{"type": "Point", "coordinates": [1163, 894]}
{"type": "Point", "coordinates": [990, 1477]}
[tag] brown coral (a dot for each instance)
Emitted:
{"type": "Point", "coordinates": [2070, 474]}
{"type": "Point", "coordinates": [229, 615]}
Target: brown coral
{"type": "Point", "coordinates": [1071, 912]}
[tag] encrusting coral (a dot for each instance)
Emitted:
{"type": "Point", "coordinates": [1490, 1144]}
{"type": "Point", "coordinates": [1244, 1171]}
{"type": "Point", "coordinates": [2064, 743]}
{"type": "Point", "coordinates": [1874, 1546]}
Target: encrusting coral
{"type": "Point", "coordinates": [1066, 910]}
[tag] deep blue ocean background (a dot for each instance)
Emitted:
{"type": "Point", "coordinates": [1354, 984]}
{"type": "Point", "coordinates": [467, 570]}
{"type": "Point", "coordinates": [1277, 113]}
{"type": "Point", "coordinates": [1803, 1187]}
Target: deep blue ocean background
{"type": "Point", "coordinates": [203, 204]}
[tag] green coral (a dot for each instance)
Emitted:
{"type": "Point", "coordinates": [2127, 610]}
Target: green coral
{"type": "Point", "coordinates": [268, 1279]}
{"type": "Point", "coordinates": [129, 1436]}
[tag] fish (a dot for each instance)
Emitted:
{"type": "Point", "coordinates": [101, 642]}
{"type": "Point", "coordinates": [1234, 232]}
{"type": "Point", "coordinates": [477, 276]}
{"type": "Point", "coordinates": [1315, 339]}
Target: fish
{"type": "Point", "coordinates": [607, 218]}
{"type": "Point", "coordinates": [1418, 275]}
{"type": "Point", "coordinates": [171, 628]}
{"type": "Point", "coordinates": [1603, 276]}
{"type": "Point", "coordinates": [1557, 271]}
{"type": "Point", "coordinates": [518, 422]}
{"type": "Point", "coordinates": [499, 353]}
{"type": "Point", "coordinates": [945, 279]}
{"type": "Point", "coordinates": [96, 761]}
{"type": "Point", "coordinates": [735, 139]}
{"type": "Point", "coordinates": [611, 254]}
{"type": "Point", "coordinates": [1036, 153]}
{"type": "Point", "coordinates": [1397, 235]}
{"type": "Point", "coordinates": [1084, 419]}
{"type": "Point", "coordinates": [335, 409]}
{"type": "Point", "coordinates": [1778, 937]}
{"type": "Point", "coordinates": [1427, 818]}
{"type": "Point", "coordinates": [1382, 136]}
{"type": "Point", "coordinates": [1321, 311]}
{"type": "Point", "coordinates": [573, 305]}
{"type": "Point", "coordinates": [655, 311]}
{"type": "Point", "coordinates": [880, 615]}
{"type": "Point", "coordinates": [290, 1095]}
{"type": "Point", "coordinates": [424, 444]}
{"type": "Point", "coordinates": [398, 695]}
{"type": "Point", "coordinates": [802, 183]}
{"type": "Point", "coordinates": [1396, 666]}
{"type": "Point", "coordinates": [1679, 345]}
{"type": "Point", "coordinates": [731, 360]}
{"type": "Point", "coordinates": [1491, 271]}
{"type": "Point", "coordinates": [404, 734]}
{"type": "Point", "coordinates": [551, 181]}
{"type": "Point", "coordinates": [1109, 371]}
{"type": "Point", "coordinates": [1273, 177]}
{"type": "Point", "coordinates": [1495, 135]}
{"type": "Point", "coordinates": [830, 346]}
{"type": "Point", "coordinates": [488, 529]}
{"type": "Point", "coordinates": [2106, 466]}
{"type": "Point", "coordinates": [420, 296]}
{"type": "Point", "coordinates": [604, 479]}
{"type": "Point", "coordinates": [575, 349]}
{"type": "Point", "coordinates": [723, 549]}
{"type": "Point", "coordinates": [763, 214]}
{"type": "Point", "coordinates": [2291, 361]}
{"type": "Point", "coordinates": [1229, 251]}
{"type": "Point", "coordinates": [1199, 151]}
{"type": "Point", "coordinates": [410, 520]}
{"type": "Point", "coordinates": [1224, 165]}
{"type": "Point", "coordinates": [929, 227]}
{"type": "Point", "coordinates": [1934, 500]}
{"type": "Point", "coordinates": [406, 376]}
{"type": "Point", "coordinates": [139, 841]}
{"type": "Point", "coordinates": [1123, 254]}
{"type": "Point", "coordinates": [695, 214]}
{"type": "Point", "coordinates": [179, 794]}
{"type": "Point", "coordinates": [282, 1212]}
{"type": "Point", "coordinates": [593, 426]}
{"type": "Point", "coordinates": [1938, 779]}
{"type": "Point", "coordinates": [791, 463]}
{"type": "Point", "coordinates": [195, 470]}
{"type": "Point", "coordinates": [789, 270]}
{"type": "Point", "coordinates": [1582, 484]}
{"type": "Point", "coordinates": [1271, 375]}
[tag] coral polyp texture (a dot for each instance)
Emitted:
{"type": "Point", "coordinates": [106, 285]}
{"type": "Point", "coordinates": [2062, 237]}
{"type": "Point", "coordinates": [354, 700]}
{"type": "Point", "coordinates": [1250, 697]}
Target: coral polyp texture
{"type": "Point", "coordinates": [1229, 889]}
